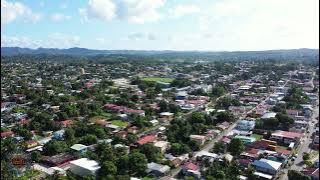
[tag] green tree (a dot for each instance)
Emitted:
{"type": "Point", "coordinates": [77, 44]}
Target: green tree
{"type": "Point", "coordinates": [89, 139]}
{"type": "Point", "coordinates": [236, 147]}
{"type": "Point", "coordinates": [107, 168]}
{"type": "Point", "coordinates": [138, 162]}
{"type": "Point", "coordinates": [54, 147]}
{"type": "Point", "coordinates": [152, 153]}
{"type": "Point", "coordinates": [35, 156]}
{"type": "Point", "coordinates": [219, 147]}
{"type": "Point", "coordinates": [296, 175]}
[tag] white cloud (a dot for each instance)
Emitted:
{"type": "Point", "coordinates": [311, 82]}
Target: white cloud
{"type": "Point", "coordinates": [55, 40]}
{"type": "Point", "coordinates": [58, 17]}
{"type": "Point", "coordinates": [135, 11]}
{"type": "Point", "coordinates": [182, 10]}
{"type": "Point", "coordinates": [101, 40]}
{"type": "Point", "coordinates": [141, 36]}
{"type": "Point", "coordinates": [265, 24]}
{"type": "Point", "coordinates": [10, 11]}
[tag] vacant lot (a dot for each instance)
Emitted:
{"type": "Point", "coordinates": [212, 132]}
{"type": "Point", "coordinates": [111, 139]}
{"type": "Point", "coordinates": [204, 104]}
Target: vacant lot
{"type": "Point", "coordinates": [154, 79]}
{"type": "Point", "coordinates": [120, 123]}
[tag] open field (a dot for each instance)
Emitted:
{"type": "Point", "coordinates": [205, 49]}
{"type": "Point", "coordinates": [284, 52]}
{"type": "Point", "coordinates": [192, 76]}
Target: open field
{"type": "Point", "coordinates": [119, 123]}
{"type": "Point", "coordinates": [154, 79]}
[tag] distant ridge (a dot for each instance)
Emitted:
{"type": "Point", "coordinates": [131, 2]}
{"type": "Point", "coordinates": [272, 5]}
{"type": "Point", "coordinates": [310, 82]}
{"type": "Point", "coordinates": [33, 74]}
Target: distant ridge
{"type": "Point", "coordinates": [10, 51]}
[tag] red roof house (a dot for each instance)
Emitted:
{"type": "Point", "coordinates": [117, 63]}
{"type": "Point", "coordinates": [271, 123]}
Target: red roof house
{"type": "Point", "coordinates": [6, 134]}
{"type": "Point", "coordinates": [146, 139]}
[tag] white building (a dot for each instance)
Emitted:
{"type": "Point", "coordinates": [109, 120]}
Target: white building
{"type": "Point", "coordinates": [84, 167]}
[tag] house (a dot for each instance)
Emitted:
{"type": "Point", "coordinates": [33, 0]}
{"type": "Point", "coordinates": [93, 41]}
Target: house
{"type": "Point", "coordinates": [162, 145]}
{"type": "Point", "coordinates": [202, 155]}
{"type": "Point", "coordinates": [269, 115]}
{"type": "Point", "coordinates": [292, 113]}
{"type": "Point", "coordinates": [262, 144]}
{"type": "Point", "coordinates": [132, 129]}
{"type": "Point", "coordinates": [246, 125]}
{"type": "Point", "coordinates": [245, 139]}
{"type": "Point", "coordinates": [251, 154]}
{"type": "Point", "coordinates": [121, 146]}
{"type": "Point", "coordinates": [286, 137]}
{"type": "Point", "coordinates": [56, 160]}
{"type": "Point", "coordinates": [315, 142]}
{"type": "Point", "coordinates": [267, 166]}
{"type": "Point", "coordinates": [166, 116]}
{"type": "Point", "coordinates": [30, 144]}
{"type": "Point", "coordinates": [84, 167]}
{"type": "Point", "coordinates": [313, 173]}
{"type": "Point", "coordinates": [6, 134]}
{"type": "Point", "coordinates": [191, 169]}
{"type": "Point", "coordinates": [228, 157]}
{"type": "Point", "coordinates": [154, 122]}
{"type": "Point", "coordinates": [157, 169]}
{"type": "Point", "coordinates": [59, 135]}
{"type": "Point", "coordinates": [223, 125]}
{"type": "Point", "coordinates": [198, 138]}
{"type": "Point", "coordinates": [79, 148]}
{"type": "Point", "coordinates": [146, 139]}
{"type": "Point", "coordinates": [181, 95]}
{"type": "Point", "coordinates": [66, 123]}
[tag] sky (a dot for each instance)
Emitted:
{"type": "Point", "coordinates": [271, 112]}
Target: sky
{"type": "Point", "coordinates": [205, 25]}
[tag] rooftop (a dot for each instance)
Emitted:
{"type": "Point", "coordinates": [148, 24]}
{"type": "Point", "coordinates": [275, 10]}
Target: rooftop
{"type": "Point", "coordinates": [86, 164]}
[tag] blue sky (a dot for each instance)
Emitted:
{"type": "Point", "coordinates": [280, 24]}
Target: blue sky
{"type": "Point", "coordinates": [161, 24]}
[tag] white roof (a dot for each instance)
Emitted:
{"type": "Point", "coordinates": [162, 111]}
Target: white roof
{"type": "Point", "coordinates": [206, 153]}
{"type": "Point", "coordinates": [161, 143]}
{"type": "Point", "coordinates": [86, 164]}
{"type": "Point", "coordinates": [166, 114]}
{"type": "Point", "coordinates": [267, 176]}
{"type": "Point", "coordinates": [162, 128]}
{"type": "Point", "coordinates": [269, 115]}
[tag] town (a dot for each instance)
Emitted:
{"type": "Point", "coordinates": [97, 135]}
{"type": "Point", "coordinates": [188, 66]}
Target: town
{"type": "Point", "coordinates": [166, 120]}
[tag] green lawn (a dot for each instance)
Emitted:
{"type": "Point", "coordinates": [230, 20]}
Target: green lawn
{"type": "Point", "coordinates": [154, 79]}
{"type": "Point", "coordinates": [257, 136]}
{"type": "Point", "coordinates": [98, 118]}
{"type": "Point", "coordinates": [120, 123]}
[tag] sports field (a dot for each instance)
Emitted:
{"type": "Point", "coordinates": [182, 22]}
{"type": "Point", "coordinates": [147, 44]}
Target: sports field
{"type": "Point", "coordinates": [155, 79]}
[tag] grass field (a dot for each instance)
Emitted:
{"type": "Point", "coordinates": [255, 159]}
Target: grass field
{"type": "Point", "coordinates": [154, 79]}
{"type": "Point", "coordinates": [120, 123]}
{"type": "Point", "coordinates": [257, 136]}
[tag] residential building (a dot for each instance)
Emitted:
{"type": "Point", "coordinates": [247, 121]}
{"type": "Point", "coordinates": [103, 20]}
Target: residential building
{"type": "Point", "coordinates": [157, 169]}
{"type": "Point", "coordinates": [246, 125]}
{"type": "Point", "coordinates": [84, 167]}
{"type": "Point", "coordinates": [267, 166]}
{"type": "Point", "coordinates": [162, 145]}
{"type": "Point", "coordinates": [286, 137]}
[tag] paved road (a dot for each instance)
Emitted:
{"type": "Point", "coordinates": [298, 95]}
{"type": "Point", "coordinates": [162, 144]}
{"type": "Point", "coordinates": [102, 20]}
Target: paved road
{"type": "Point", "coordinates": [210, 145]}
{"type": "Point", "coordinates": [305, 145]}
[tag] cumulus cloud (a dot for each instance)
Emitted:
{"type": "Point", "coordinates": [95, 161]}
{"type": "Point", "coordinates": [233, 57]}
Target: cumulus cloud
{"type": "Point", "coordinates": [134, 11]}
{"type": "Point", "coordinates": [182, 10]}
{"type": "Point", "coordinates": [55, 40]}
{"type": "Point", "coordinates": [58, 17]}
{"type": "Point", "coordinates": [10, 11]}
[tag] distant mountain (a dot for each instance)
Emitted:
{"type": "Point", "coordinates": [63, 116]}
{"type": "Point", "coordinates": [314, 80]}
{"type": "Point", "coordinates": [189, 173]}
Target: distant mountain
{"type": "Point", "coordinates": [10, 51]}
{"type": "Point", "coordinates": [287, 54]}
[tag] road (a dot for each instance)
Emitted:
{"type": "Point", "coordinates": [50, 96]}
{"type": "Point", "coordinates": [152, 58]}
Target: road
{"type": "Point", "coordinates": [305, 145]}
{"type": "Point", "coordinates": [210, 145]}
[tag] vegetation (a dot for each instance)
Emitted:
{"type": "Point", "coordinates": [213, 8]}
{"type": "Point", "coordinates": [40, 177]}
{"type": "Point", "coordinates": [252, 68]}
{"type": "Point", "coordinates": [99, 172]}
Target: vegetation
{"type": "Point", "coordinates": [158, 79]}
